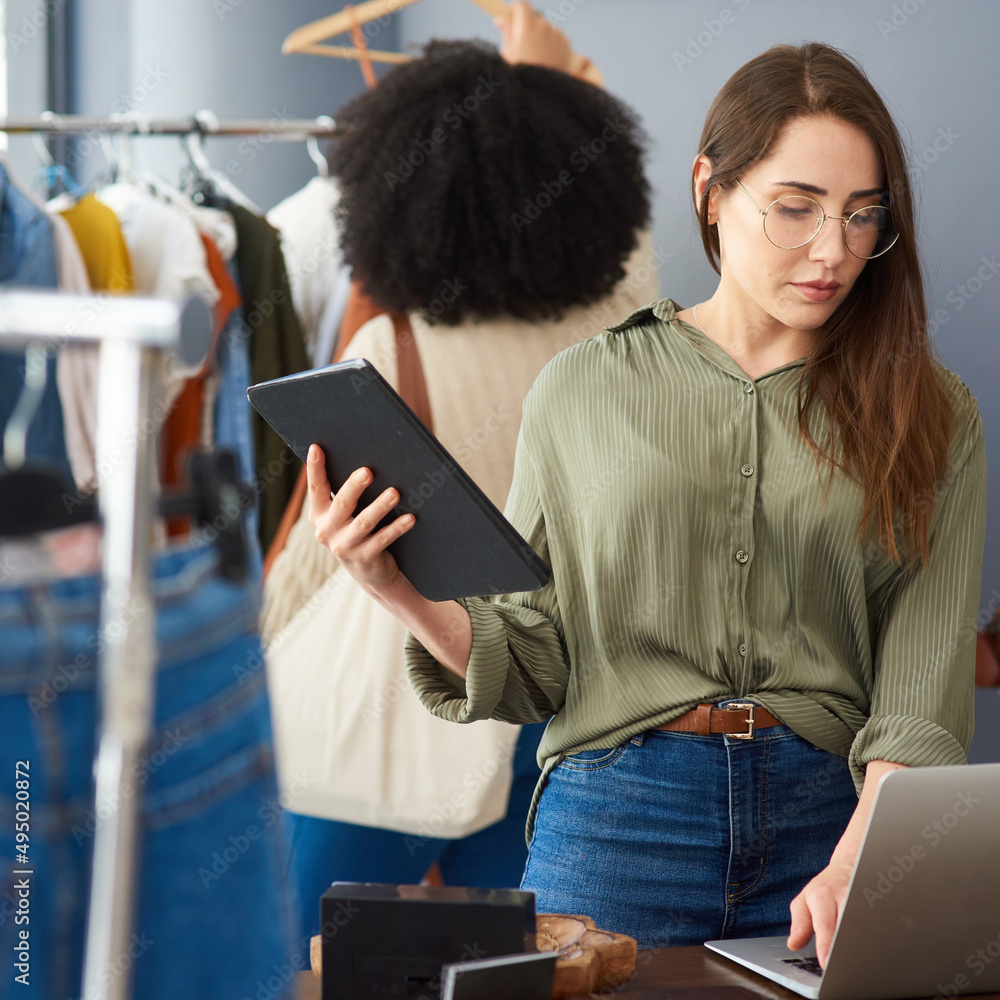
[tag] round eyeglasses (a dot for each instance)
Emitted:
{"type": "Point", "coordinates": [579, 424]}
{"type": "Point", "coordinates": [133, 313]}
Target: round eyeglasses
{"type": "Point", "coordinates": [794, 220]}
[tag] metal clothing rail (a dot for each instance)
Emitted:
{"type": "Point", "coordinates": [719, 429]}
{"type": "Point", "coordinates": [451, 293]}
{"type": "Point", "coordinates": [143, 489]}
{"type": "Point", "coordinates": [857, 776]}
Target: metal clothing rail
{"type": "Point", "coordinates": [203, 123]}
{"type": "Point", "coordinates": [132, 332]}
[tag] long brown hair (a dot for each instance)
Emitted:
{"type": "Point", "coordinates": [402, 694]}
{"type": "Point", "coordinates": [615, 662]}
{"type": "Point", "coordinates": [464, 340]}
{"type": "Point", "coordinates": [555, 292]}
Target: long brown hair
{"type": "Point", "coordinates": [873, 365]}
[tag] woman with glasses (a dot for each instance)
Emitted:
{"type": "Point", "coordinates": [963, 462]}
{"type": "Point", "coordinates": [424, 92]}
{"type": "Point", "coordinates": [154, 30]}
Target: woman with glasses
{"type": "Point", "coordinates": [765, 519]}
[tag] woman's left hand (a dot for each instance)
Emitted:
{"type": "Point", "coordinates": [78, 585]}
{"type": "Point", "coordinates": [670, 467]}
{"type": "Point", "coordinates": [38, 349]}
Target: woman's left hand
{"type": "Point", "coordinates": [816, 909]}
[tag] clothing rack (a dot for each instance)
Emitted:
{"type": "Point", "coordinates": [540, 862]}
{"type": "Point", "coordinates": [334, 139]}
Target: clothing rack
{"type": "Point", "coordinates": [203, 123]}
{"type": "Point", "coordinates": [132, 332]}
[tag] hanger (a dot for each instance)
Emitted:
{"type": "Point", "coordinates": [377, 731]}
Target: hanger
{"type": "Point", "coordinates": [310, 37]}
{"type": "Point", "coordinates": [34, 498]}
{"type": "Point", "coordinates": [51, 172]}
{"type": "Point", "coordinates": [307, 39]}
{"type": "Point", "coordinates": [315, 153]}
{"type": "Point", "coordinates": [207, 182]}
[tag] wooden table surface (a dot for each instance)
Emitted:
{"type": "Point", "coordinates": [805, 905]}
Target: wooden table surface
{"type": "Point", "coordinates": [674, 969]}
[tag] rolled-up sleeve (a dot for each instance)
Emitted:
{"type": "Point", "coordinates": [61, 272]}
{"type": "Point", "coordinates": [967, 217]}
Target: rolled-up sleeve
{"type": "Point", "coordinates": [922, 702]}
{"type": "Point", "coordinates": [518, 670]}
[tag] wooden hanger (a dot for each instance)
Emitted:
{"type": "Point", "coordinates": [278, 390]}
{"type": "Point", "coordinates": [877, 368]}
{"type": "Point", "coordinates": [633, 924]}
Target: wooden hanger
{"type": "Point", "coordinates": [310, 37]}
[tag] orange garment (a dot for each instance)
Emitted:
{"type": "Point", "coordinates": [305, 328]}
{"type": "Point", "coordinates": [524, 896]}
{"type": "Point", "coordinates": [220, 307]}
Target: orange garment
{"type": "Point", "coordinates": [182, 430]}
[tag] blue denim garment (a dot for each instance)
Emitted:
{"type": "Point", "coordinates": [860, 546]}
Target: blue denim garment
{"type": "Point", "coordinates": [675, 838]}
{"type": "Point", "coordinates": [28, 260]}
{"type": "Point", "coordinates": [232, 409]}
{"type": "Point", "coordinates": [325, 851]}
{"type": "Point", "coordinates": [213, 918]}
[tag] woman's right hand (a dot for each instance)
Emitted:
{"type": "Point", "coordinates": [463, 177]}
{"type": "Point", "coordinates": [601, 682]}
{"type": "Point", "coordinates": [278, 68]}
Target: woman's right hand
{"type": "Point", "coordinates": [348, 535]}
{"type": "Point", "coordinates": [443, 627]}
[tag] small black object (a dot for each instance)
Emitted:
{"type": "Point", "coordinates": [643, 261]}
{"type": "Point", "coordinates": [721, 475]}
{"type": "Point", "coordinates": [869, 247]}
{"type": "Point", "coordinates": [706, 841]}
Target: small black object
{"type": "Point", "coordinates": [216, 500]}
{"type": "Point", "coordinates": [461, 545]}
{"type": "Point", "coordinates": [392, 940]}
{"type": "Point", "coordinates": [36, 498]}
{"type": "Point", "coordinates": [510, 977]}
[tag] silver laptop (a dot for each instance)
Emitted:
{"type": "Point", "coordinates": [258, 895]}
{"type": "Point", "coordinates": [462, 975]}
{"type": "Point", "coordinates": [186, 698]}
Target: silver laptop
{"type": "Point", "coordinates": [922, 916]}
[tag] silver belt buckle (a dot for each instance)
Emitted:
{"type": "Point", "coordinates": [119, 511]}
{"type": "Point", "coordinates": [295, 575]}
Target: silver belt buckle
{"type": "Point", "coordinates": [749, 706]}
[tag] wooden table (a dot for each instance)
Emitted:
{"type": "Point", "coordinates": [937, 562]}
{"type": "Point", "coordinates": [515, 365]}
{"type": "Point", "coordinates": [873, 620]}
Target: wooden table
{"type": "Point", "coordinates": [660, 969]}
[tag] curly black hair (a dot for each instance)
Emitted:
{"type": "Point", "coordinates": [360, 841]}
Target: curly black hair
{"type": "Point", "coordinates": [473, 188]}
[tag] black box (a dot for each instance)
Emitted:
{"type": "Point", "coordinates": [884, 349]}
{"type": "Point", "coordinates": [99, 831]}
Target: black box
{"type": "Point", "coordinates": [391, 940]}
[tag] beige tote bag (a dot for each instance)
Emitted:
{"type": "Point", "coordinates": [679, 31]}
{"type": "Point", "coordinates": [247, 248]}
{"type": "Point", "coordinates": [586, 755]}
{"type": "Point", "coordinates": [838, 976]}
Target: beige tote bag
{"type": "Point", "coordinates": [354, 743]}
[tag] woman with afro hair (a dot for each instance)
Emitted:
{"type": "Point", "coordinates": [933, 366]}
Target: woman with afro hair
{"type": "Point", "coordinates": [500, 203]}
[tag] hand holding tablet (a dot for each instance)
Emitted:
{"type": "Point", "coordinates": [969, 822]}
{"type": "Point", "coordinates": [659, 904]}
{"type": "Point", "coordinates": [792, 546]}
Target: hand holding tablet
{"type": "Point", "coordinates": [353, 536]}
{"type": "Point", "coordinates": [460, 545]}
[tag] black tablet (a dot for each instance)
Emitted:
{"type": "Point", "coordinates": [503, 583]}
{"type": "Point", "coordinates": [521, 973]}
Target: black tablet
{"type": "Point", "coordinates": [461, 545]}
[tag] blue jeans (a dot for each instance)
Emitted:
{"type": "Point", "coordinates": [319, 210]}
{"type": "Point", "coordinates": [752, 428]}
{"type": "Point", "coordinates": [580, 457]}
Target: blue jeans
{"type": "Point", "coordinates": [325, 851]}
{"type": "Point", "coordinates": [213, 918]}
{"type": "Point", "coordinates": [675, 838]}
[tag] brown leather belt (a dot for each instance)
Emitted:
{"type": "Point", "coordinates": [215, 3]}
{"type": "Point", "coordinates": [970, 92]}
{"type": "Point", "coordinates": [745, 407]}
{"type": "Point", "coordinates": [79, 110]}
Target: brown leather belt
{"type": "Point", "coordinates": [740, 720]}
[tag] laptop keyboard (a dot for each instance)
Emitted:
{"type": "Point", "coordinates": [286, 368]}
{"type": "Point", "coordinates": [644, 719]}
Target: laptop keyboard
{"type": "Point", "coordinates": [805, 964]}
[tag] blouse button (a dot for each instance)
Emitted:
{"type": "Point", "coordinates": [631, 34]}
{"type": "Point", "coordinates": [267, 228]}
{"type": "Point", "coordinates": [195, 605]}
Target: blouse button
{"type": "Point", "coordinates": [743, 649]}
{"type": "Point", "coordinates": [742, 557]}
{"type": "Point", "coordinates": [748, 388]}
{"type": "Point", "coordinates": [747, 470]}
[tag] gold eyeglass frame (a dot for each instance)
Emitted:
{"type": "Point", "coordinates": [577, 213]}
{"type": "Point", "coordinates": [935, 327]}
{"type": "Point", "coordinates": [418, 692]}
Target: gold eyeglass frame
{"type": "Point", "coordinates": [843, 220]}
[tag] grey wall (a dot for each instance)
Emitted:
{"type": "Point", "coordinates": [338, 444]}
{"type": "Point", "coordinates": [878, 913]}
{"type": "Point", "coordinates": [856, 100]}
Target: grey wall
{"type": "Point", "coordinates": [25, 31]}
{"type": "Point", "coordinates": [935, 63]}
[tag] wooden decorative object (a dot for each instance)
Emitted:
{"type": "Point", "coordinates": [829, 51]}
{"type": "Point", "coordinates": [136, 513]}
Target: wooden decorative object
{"type": "Point", "coordinates": [589, 959]}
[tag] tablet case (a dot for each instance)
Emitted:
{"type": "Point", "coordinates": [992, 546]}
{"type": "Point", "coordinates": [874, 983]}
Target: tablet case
{"type": "Point", "coordinates": [461, 545]}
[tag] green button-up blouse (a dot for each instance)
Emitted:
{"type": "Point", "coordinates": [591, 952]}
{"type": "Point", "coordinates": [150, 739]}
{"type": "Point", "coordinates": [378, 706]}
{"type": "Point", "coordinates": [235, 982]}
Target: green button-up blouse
{"type": "Point", "coordinates": [693, 558]}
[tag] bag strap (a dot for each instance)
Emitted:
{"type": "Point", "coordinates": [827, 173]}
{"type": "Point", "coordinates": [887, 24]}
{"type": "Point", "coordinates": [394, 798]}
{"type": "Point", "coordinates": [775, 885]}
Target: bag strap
{"type": "Point", "coordinates": [412, 385]}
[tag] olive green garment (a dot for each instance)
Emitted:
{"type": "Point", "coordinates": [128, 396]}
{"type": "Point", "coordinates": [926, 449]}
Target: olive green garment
{"type": "Point", "coordinates": [692, 559]}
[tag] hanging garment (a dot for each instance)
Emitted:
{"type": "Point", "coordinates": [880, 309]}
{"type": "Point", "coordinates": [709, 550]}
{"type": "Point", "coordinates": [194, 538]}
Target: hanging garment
{"type": "Point", "coordinates": [168, 259]}
{"type": "Point", "coordinates": [231, 414]}
{"type": "Point", "coordinates": [213, 918]}
{"type": "Point", "coordinates": [99, 235]}
{"type": "Point", "coordinates": [183, 429]}
{"type": "Point", "coordinates": [101, 245]}
{"type": "Point", "coordinates": [310, 242]}
{"type": "Point", "coordinates": [276, 347]}
{"type": "Point", "coordinates": [70, 265]}
{"type": "Point", "coordinates": [215, 223]}
{"type": "Point", "coordinates": [28, 260]}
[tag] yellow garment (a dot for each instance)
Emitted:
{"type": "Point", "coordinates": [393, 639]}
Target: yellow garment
{"type": "Point", "coordinates": [99, 235]}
